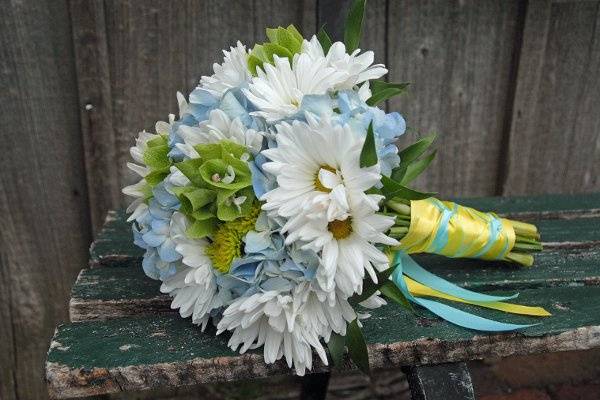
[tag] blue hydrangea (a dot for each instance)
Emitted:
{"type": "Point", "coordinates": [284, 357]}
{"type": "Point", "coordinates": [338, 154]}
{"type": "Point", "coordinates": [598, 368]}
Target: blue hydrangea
{"type": "Point", "coordinates": [268, 264]}
{"type": "Point", "coordinates": [152, 233]}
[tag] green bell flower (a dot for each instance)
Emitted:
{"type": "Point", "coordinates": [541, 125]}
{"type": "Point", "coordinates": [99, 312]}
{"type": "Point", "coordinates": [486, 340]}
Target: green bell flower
{"type": "Point", "coordinates": [283, 42]}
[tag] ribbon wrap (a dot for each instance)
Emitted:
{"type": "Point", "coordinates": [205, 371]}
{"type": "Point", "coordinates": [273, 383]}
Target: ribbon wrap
{"type": "Point", "coordinates": [451, 230]}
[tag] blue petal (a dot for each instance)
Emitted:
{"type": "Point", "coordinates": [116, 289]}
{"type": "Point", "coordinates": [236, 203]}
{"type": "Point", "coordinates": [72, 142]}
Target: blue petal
{"type": "Point", "coordinates": [167, 251]}
{"type": "Point", "coordinates": [149, 264]}
{"type": "Point", "coordinates": [153, 239]}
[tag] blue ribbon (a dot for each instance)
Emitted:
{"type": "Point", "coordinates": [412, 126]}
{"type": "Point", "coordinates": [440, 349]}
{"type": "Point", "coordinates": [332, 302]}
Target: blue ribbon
{"type": "Point", "coordinates": [405, 265]}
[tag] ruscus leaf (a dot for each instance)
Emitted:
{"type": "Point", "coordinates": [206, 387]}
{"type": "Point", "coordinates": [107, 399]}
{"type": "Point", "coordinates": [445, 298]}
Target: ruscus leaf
{"type": "Point", "coordinates": [357, 346]}
{"type": "Point", "coordinates": [368, 154]}
{"type": "Point", "coordinates": [416, 149]}
{"type": "Point", "coordinates": [382, 91]}
{"type": "Point", "coordinates": [354, 22]}
{"type": "Point", "coordinates": [336, 346]}
{"type": "Point", "coordinates": [415, 169]}
{"type": "Point", "coordinates": [393, 189]}
{"type": "Point", "coordinates": [324, 39]}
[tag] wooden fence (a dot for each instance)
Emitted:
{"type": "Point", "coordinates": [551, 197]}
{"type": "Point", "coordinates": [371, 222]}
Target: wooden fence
{"type": "Point", "coordinates": [512, 88]}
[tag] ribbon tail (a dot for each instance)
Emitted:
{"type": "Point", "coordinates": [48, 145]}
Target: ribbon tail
{"type": "Point", "coordinates": [419, 274]}
{"type": "Point", "coordinates": [467, 320]}
{"type": "Point", "coordinates": [450, 314]}
{"type": "Point", "coordinates": [419, 290]}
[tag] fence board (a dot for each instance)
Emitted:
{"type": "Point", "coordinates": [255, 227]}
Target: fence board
{"type": "Point", "coordinates": [43, 198]}
{"type": "Point", "coordinates": [555, 132]}
{"type": "Point", "coordinates": [156, 49]}
{"type": "Point", "coordinates": [458, 56]}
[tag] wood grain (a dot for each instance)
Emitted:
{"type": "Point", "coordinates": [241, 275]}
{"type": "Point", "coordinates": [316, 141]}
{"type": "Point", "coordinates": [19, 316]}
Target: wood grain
{"type": "Point", "coordinates": [95, 107]}
{"type": "Point", "coordinates": [156, 49]}
{"type": "Point", "coordinates": [43, 195]}
{"type": "Point", "coordinates": [106, 293]}
{"type": "Point", "coordinates": [166, 350]}
{"type": "Point", "coordinates": [555, 132]}
{"type": "Point", "coordinates": [458, 57]}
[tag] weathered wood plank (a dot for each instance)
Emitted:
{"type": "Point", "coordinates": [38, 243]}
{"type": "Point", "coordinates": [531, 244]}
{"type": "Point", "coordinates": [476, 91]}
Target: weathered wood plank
{"type": "Point", "coordinates": [43, 206]}
{"type": "Point", "coordinates": [458, 56]}
{"type": "Point", "coordinates": [554, 140]}
{"type": "Point", "coordinates": [104, 293]}
{"type": "Point", "coordinates": [158, 351]}
{"type": "Point", "coordinates": [95, 106]}
{"type": "Point", "coordinates": [114, 246]}
{"type": "Point", "coordinates": [156, 48]}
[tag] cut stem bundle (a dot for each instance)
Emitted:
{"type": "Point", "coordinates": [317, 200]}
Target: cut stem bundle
{"type": "Point", "coordinates": [527, 239]}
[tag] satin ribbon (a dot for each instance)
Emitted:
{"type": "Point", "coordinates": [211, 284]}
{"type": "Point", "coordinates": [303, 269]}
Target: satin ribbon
{"type": "Point", "coordinates": [414, 282]}
{"type": "Point", "coordinates": [451, 230]}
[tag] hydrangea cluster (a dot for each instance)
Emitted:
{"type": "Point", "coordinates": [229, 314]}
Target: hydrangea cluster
{"type": "Point", "coordinates": [253, 206]}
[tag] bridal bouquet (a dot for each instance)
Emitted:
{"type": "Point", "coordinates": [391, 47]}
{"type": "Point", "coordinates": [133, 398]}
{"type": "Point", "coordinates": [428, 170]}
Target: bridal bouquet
{"type": "Point", "coordinates": [276, 204]}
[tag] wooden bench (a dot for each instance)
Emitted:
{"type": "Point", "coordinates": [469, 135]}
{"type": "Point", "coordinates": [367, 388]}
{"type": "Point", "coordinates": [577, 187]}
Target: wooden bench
{"type": "Point", "coordinates": [124, 337]}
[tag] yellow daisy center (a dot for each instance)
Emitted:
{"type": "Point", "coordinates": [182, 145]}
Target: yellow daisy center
{"type": "Point", "coordinates": [227, 242]}
{"type": "Point", "coordinates": [340, 229]}
{"type": "Point", "coordinates": [318, 184]}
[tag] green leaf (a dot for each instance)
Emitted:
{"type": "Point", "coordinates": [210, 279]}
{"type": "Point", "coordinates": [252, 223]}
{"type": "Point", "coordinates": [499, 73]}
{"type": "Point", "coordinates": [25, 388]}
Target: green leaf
{"type": "Point", "coordinates": [415, 168]}
{"type": "Point", "coordinates": [415, 150]}
{"type": "Point", "coordinates": [393, 189]}
{"type": "Point", "coordinates": [377, 85]}
{"type": "Point", "coordinates": [324, 39]}
{"type": "Point", "coordinates": [357, 346]}
{"type": "Point", "coordinates": [354, 22]}
{"type": "Point", "coordinates": [368, 154]}
{"type": "Point", "coordinates": [392, 292]}
{"type": "Point", "coordinates": [370, 287]}
{"type": "Point", "coordinates": [399, 172]}
{"type": "Point", "coordinates": [336, 346]}
{"type": "Point", "coordinates": [382, 90]}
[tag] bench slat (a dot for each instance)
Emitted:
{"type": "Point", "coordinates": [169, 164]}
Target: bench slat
{"type": "Point", "coordinates": [114, 246]}
{"type": "Point", "coordinates": [165, 350]}
{"type": "Point", "coordinates": [103, 293]}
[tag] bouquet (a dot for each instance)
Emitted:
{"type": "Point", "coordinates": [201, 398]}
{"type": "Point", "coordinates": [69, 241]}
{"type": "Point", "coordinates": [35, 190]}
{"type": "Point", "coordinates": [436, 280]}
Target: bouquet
{"type": "Point", "coordinates": [276, 204]}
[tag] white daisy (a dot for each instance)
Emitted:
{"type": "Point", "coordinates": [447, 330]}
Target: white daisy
{"type": "Point", "coordinates": [316, 165]}
{"type": "Point", "coordinates": [232, 73]}
{"type": "Point", "coordinates": [348, 246]}
{"type": "Point", "coordinates": [139, 191]}
{"type": "Point", "coordinates": [357, 67]}
{"type": "Point", "coordinates": [193, 287]}
{"type": "Point", "coordinates": [278, 90]}
{"type": "Point", "coordinates": [288, 324]}
{"type": "Point", "coordinates": [216, 128]}
{"type": "Point", "coordinates": [137, 153]}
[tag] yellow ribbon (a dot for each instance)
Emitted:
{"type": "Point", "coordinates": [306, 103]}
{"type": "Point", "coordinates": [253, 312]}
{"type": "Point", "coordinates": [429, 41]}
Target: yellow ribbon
{"type": "Point", "coordinates": [420, 290]}
{"type": "Point", "coordinates": [451, 230]}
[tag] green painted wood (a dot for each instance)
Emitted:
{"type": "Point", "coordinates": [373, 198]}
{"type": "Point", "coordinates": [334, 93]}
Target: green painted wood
{"type": "Point", "coordinates": [145, 352]}
{"type": "Point", "coordinates": [114, 245]}
{"type": "Point", "coordinates": [553, 267]}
